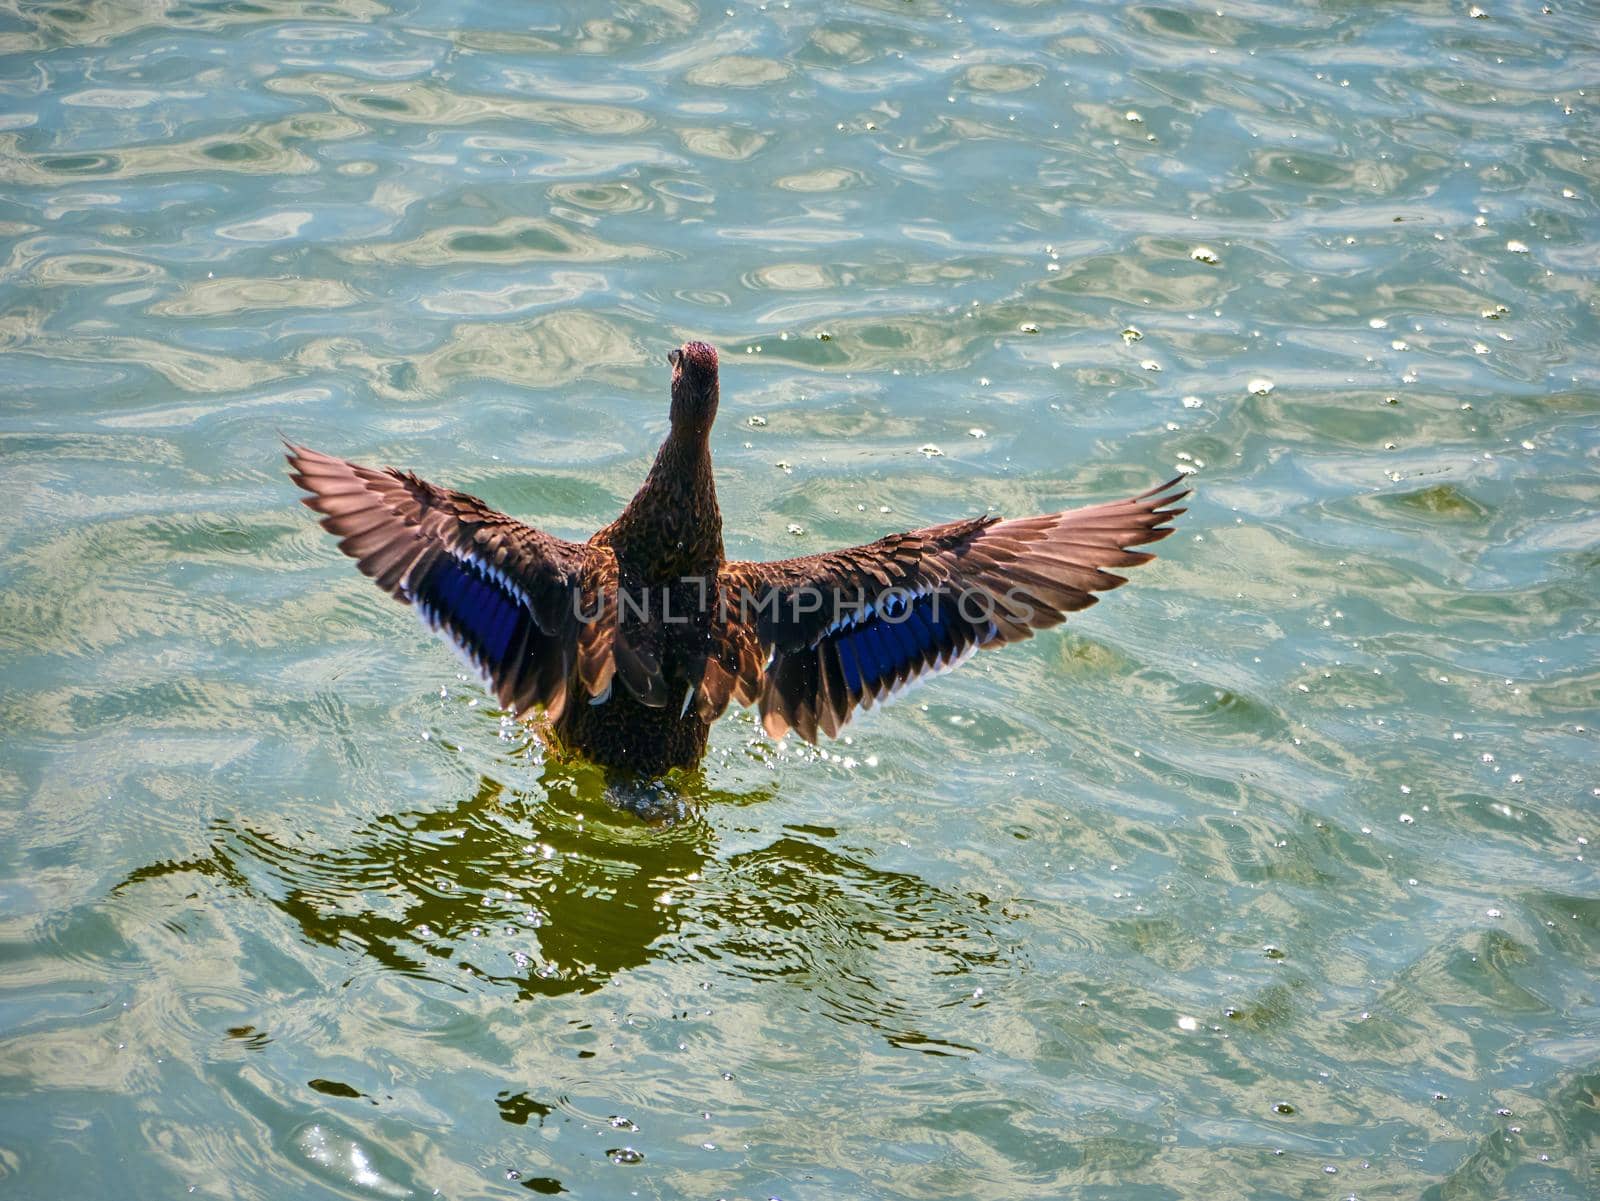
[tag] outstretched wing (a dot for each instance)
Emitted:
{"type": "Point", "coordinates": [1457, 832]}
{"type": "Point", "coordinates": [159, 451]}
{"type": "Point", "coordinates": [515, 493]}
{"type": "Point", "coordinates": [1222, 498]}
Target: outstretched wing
{"type": "Point", "coordinates": [810, 639]}
{"type": "Point", "coordinates": [502, 593]}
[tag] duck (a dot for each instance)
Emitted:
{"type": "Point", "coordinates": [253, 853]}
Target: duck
{"type": "Point", "coordinates": [624, 649]}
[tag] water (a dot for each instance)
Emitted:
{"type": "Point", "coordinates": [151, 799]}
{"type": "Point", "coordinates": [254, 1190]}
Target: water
{"type": "Point", "coordinates": [1267, 877]}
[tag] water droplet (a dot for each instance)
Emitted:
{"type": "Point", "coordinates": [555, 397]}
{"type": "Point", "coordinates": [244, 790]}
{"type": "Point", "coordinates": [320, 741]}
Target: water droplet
{"type": "Point", "coordinates": [931, 451]}
{"type": "Point", "coordinates": [625, 1155]}
{"type": "Point", "coordinates": [1283, 1107]}
{"type": "Point", "coordinates": [1204, 254]}
{"type": "Point", "coordinates": [1259, 387]}
{"type": "Point", "coordinates": [1516, 247]}
{"type": "Point", "coordinates": [1133, 334]}
{"type": "Point", "coordinates": [1028, 327]}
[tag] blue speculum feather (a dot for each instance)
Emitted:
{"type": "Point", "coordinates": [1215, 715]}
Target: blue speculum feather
{"type": "Point", "coordinates": [847, 662]}
{"type": "Point", "coordinates": [875, 658]}
{"type": "Point", "coordinates": [899, 635]}
{"type": "Point", "coordinates": [480, 614]}
{"type": "Point", "coordinates": [920, 630]}
{"type": "Point", "coordinates": [899, 639]}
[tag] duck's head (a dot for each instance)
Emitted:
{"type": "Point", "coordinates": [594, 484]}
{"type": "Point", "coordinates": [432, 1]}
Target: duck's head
{"type": "Point", "coordinates": [694, 388]}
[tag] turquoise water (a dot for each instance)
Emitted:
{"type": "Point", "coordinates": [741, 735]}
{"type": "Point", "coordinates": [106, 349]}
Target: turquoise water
{"type": "Point", "coordinates": [1271, 876]}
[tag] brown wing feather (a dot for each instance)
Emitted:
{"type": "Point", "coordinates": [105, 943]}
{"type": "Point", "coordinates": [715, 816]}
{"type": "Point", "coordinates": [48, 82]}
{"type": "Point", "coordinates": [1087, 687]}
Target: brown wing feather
{"type": "Point", "coordinates": [597, 664]}
{"type": "Point", "coordinates": [502, 592]}
{"type": "Point", "coordinates": [811, 639]}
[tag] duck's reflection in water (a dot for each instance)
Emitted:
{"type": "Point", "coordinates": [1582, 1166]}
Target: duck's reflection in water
{"type": "Point", "coordinates": [558, 889]}
{"type": "Point", "coordinates": [550, 892]}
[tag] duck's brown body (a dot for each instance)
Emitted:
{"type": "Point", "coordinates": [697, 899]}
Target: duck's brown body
{"type": "Point", "coordinates": [629, 735]}
{"type": "Point", "coordinates": [666, 540]}
{"type": "Point", "coordinates": [635, 641]}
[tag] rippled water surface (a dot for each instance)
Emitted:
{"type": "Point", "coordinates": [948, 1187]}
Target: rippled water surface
{"type": "Point", "coordinates": [1272, 876]}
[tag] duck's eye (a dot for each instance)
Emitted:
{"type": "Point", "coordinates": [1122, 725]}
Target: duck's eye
{"type": "Point", "coordinates": [673, 356]}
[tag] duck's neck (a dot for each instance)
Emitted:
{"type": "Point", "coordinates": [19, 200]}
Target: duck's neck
{"type": "Point", "coordinates": [673, 527]}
